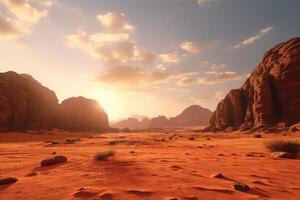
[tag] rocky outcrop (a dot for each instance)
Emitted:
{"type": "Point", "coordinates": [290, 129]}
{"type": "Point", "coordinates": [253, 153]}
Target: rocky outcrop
{"type": "Point", "coordinates": [81, 114]}
{"type": "Point", "coordinates": [269, 96]}
{"type": "Point", "coordinates": [192, 116]}
{"type": "Point", "coordinates": [27, 105]}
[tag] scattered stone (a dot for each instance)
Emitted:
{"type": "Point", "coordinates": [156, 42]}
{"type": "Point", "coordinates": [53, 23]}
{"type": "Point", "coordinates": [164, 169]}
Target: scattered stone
{"type": "Point", "coordinates": [54, 160]}
{"type": "Point", "coordinates": [220, 154]}
{"type": "Point", "coordinates": [191, 138]}
{"type": "Point", "coordinates": [217, 175]}
{"type": "Point", "coordinates": [284, 155]}
{"type": "Point", "coordinates": [32, 174]}
{"type": "Point", "coordinates": [55, 142]}
{"type": "Point", "coordinates": [54, 152]}
{"type": "Point", "coordinates": [240, 187]}
{"type": "Point", "coordinates": [199, 147]}
{"type": "Point", "coordinates": [191, 197]}
{"type": "Point", "coordinates": [8, 180]}
{"type": "Point", "coordinates": [171, 198]}
{"type": "Point", "coordinates": [176, 167]}
{"type": "Point", "coordinates": [106, 196]}
{"type": "Point", "coordinates": [208, 138]}
{"type": "Point", "coordinates": [85, 193]}
{"type": "Point", "coordinates": [293, 129]}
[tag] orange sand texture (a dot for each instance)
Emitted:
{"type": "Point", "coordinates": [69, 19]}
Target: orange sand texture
{"type": "Point", "coordinates": [156, 165]}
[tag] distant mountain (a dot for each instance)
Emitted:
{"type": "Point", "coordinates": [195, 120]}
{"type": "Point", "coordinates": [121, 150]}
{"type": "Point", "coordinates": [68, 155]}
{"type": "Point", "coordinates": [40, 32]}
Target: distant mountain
{"type": "Point", "coordinates": [159, 122]}
{"type": "Point", "coordinates": [192, 116]}
{"type": "Point", "coordinates": [132, 123]}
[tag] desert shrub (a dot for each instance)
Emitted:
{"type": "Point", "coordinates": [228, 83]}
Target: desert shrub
{"type": "Point", "coordinates": [290, 146]}
{"type": "Point", "coordinates": [104, 155]}
{"type": "Point", "coordinates": [71, 140]}
{"type": "Point", "coordinates": [55, 142]}
{"type": "Point", "coordinates": [257, 135]}
{"type": "Point", "coordinates": [191, 138]}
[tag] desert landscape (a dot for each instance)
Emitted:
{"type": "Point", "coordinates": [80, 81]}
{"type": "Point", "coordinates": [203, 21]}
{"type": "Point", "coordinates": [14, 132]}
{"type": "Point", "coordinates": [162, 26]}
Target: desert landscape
{"type": "Point", "coordinates": [147, 165]}
{"type": "Point", "coordinates": [139, 124]}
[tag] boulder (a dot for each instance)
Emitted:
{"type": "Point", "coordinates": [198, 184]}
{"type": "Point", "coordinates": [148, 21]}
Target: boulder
{"type": "Point", "coordinates": [8, 180]}
{"type": "Point", "coordinates": [240, 187]}
{"type": "Point", "coordinates": [53, 161]}
{"type": "Point", "coordinates": [269, 96]}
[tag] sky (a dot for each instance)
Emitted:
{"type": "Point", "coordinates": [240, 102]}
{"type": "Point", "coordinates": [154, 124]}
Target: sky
{"type": "Point", "coordinates": [142, 57]}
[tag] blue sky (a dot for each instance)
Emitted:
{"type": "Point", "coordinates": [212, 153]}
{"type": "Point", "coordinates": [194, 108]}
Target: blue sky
{"type": "Point", "coordinates": [172, 53]}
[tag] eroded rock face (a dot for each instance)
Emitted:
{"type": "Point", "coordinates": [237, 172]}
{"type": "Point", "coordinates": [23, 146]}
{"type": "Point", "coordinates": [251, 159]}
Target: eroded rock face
{"type": "Point", "coordinates": [81, 114]}
{"type": "Point", "coordinates": [25, 103]}
{"type": "Point", "coordinates": [271, 95]}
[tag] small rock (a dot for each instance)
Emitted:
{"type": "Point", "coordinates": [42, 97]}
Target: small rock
{"type": "Point", "coordinates": [284, 155]}
{"type": "Point", "coordinates": [8, 180]}
{"type": "Point", "coordinates": [217, 175]}
{"type": "Point", "coordinates": [240, 187]}
{"type": "Point", "coordinates": [54, 160]}
{"type": "Point", "coordinates": [106, 196]}
{"type": "Point", "coordinates": [293, 129]}
{"type": "Point", "coordinates": [171, 198]}
{"type": "Point", "coordinates": [190, 198]}
{"type": "Point", "coordinates": [32, 174]}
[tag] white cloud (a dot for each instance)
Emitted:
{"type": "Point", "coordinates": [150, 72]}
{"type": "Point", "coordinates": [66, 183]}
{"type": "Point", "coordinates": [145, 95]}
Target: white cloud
{"type": "Point", "coordinates": [253, 38]}
{"type": "Point", "coordinates": [170, 57]}
{"type": "Point", "coordinates": [114, 21]}
{"type": "Point", "coordinates": [217, 66]}
{"type": "Point", "coordinates": [22, 17]}
{"type": "Point", "coordinates": [190, 47]}
{"type": "Point", "coordinates": [213, 77]}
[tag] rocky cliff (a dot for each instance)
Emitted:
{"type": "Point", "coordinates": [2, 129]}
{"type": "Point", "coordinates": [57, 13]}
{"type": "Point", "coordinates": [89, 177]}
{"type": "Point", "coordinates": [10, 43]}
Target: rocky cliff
{"type": "Point", "coordinates": [271, 94]}
{"type": "Point", "coordinates": [26, 104]}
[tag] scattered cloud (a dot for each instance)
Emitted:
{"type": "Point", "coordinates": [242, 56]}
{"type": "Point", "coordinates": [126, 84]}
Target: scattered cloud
{"type": "Point", "coordinates": [187, 81]}
{"type": "Point", "coordinates": [217, 66]}
{"type": "Point", "coordinates": [21, 17]}
{"type": "Point", "coordinates": [190, 47]}
{"type": "Point", "coordinates": [254, 38]}
{"type": "Point", "coordinates": [202, 2]}
{"type": "Point", "coordinates": [213, 77]}
{"type": "Point", "coordinates": [131, 77]}
{"type": "Point", "coordinates": [114, 21]}
{"type": "Point", "coordinates": [170, 57]}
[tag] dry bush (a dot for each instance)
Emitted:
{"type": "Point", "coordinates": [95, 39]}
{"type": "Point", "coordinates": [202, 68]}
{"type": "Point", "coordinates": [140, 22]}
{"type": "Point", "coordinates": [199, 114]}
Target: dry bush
{"type": "Point", "coordinates": [290, 146]}
{"type": "Point", "coordinates": [104, 155]}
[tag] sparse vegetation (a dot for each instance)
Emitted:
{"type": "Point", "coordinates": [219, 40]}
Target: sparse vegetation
{"type": "Point", "coordinates": [289, 146]}
{"type": "Point", "coordinates": [104, 155]}
{"type": "Point", "coordinates": [257, 135]}
{"type": "Point", "coordinates": [71, 140]}
{"type": "Point", "coordinates": [191, 138]}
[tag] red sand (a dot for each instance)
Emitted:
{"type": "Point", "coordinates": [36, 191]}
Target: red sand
{"type": "Point", "coordinates": [145, 167]}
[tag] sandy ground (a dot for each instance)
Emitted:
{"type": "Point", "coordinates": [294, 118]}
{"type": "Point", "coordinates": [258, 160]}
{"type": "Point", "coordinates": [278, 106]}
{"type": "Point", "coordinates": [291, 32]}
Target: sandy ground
{"type": "Point", "coordinates": [146, 167]}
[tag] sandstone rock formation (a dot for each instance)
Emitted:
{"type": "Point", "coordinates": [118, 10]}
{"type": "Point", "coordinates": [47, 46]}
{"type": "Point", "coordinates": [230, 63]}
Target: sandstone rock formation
{"type": "Point", "coordinates": [193, 115]}
{"type": "Point", "coordinates": [271, 94]}
{"type": "Point", "coordinates": [79, 113]}
{"type": "Point", "coordinates": [27, 105]}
